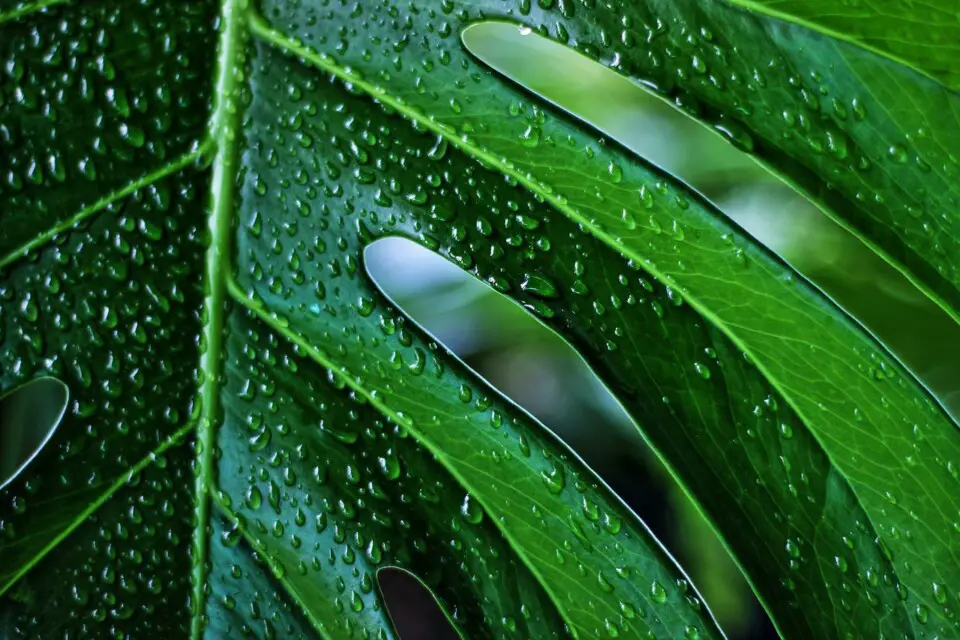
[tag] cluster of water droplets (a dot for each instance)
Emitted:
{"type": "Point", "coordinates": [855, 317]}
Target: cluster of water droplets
{"type": "Point", "coordinates": [109, 311]}
{"type": "Point", "coordinates": [93, 97]}
{"type": "Point", "coordinates": [327, 491]}
{"type": "Point", "coordinates": [124, 571]}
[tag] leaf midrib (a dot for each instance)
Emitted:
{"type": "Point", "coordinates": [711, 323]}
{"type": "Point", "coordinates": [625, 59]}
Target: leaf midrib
{"type": "Point", "coordinates": [219, 284]}
{"type": "Point", "coordinates": [226, 117]}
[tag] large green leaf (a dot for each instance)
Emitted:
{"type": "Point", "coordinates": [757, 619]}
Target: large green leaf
{"type": "Point", "coordinates": [311, 490]}
{"type": "Point", "coordinates": [873, 423]}
{"type": "Point", "coordinates": [331, 436]}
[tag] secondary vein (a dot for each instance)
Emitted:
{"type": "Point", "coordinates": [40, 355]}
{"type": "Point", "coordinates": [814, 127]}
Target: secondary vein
{"type": "Point", "coordinates": [116, 485]}
{"type": "Point", "coordinates": [296, 48]}
{"type": "Point", "coordinates": [240, 296]}
{"type": "Point", "coordinates": [47, 236]}
{"type": "Point", "coordinates": [255, 543]}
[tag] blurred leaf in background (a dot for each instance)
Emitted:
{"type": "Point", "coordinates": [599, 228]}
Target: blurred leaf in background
{"type": "Point", "coordinates": [918, 331]}
{"type": "Point", "coordinates": [538, 370]}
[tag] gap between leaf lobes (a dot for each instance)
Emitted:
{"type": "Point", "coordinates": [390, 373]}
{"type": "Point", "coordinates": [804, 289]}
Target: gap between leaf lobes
{"type": "Point", "coordinates": [29, 416]}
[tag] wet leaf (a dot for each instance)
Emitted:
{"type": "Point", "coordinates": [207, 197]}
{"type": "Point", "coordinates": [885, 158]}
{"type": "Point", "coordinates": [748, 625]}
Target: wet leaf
{"type": "Point", "coordinates": [255, 430]}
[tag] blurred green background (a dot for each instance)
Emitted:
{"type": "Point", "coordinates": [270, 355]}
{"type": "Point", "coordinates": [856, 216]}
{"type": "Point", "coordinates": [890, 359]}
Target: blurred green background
{"type": "Point", "coordinates": [540, 372]}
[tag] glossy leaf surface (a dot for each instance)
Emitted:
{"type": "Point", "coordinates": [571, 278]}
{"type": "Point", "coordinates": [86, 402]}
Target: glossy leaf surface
{"type": "Point", "coordinates": [206, 286]}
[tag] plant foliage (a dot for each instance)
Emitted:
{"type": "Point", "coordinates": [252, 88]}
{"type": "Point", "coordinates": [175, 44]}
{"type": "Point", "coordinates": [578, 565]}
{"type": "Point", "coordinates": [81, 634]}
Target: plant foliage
{"type": "Point", "coordinates": [186, 190]}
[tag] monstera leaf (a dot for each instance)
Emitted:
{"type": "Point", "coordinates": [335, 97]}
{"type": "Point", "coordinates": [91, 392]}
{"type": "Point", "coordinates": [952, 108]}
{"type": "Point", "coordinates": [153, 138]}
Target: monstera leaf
{"type": "Point", "coordinates": [254, 430]}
